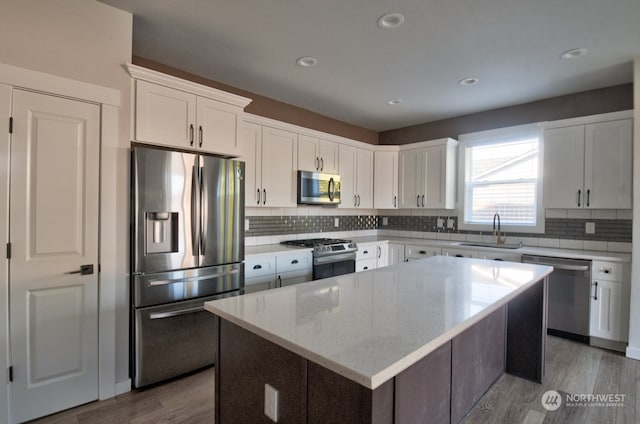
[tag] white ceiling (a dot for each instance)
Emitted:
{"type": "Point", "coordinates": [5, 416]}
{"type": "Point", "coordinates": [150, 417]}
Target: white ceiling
{"type": "Point", "coordinates": [512, 46]}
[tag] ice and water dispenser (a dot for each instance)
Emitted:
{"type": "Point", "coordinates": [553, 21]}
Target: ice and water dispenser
{"type": "Point", "coordinates": [161, 232]}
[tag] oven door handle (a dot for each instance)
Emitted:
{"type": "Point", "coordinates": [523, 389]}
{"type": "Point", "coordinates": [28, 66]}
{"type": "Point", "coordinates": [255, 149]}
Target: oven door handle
{"type": "Point", "coordinates": [334, 258]}
{"type": "Point", "coordinates": [161, 315]}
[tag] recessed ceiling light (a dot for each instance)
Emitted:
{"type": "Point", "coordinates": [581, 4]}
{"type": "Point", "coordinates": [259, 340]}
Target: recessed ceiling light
{"type": "Point", "coordinates": [394, 102]}
{"type": "Point", "coordinates": [307, 61]}
{"type": "Point", "coordinates": [469, 81]}
{"type": "Point", "coordinates": [573, 53]}
{"type": "Point", "coordinates": [390, 20]}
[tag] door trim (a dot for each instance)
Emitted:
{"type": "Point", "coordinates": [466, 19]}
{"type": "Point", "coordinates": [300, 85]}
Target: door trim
{"type": "Point", "coordinates": [5, 109]}
{"type": "Point", "coordinates": [61, 86]}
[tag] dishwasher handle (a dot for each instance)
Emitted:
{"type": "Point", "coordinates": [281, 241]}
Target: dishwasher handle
{"type": "Point", "coordinates": [557, 265]}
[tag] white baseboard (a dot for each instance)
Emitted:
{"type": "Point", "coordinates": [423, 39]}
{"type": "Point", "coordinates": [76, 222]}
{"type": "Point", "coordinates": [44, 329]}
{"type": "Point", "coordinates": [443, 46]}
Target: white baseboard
{"type": "Point", "coordinates": [633, 352]}
{"type": "Point", "coordinates": [123, 387]}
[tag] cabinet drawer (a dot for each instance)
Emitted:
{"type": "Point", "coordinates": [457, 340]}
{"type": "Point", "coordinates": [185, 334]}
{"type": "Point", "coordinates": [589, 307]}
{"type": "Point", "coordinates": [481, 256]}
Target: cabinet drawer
{"type": "Point", "coordinates": [417, 252]}
{"type": "Point", "coordinates": [259, 266]}
{"type": "Point", "coordinates": [366, 251]}
{"type": "Point", "coordinates": [293, 262]}
{"type": "Point", "coordinates": [365, 264]}
{"type": "Point", "coordinates": [460, 253]}
{"type": "Point", "coordinates": [608, 271]}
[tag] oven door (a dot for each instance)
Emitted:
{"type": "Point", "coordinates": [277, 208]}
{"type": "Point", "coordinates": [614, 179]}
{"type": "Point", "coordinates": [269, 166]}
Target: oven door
{"type": "Point", "coordinates": [173, 339]}
{"type": "Point", "coordinates": [331, 266]}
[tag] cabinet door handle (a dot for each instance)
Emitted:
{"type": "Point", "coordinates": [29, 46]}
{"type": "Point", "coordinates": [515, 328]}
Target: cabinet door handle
{"type": "Point", "coordinates": [588, 197]}
{"type": "Point", "coordinates": [295, 261]}
{"type": "Point", "coordinates": [365, 268]}
{"type": "Point", "coordinates": [418, 200]}
{"type": "Point", "coordinates": [191, 135]}
{"type": "Point", "coordinates": [423, 252]}
{"type": "Point", "coordinates": [257, 266]}
{"type": "Point", "coordinates": [395, 201]}
{"type": "Point", "coordinates": [317, 163]}
{"type": "Point", "coordinates": [355, 200]}
{"type": "Point", "coordinates": [423, 200]}
{"type": "Point", "coordinates": [358, 200]}
{"type": "Point", "coordinates": [366, 252]}
{"type": "Point", "coordinates": [258, 196]}
{"type": "Point", "coordinates": [321, 164]}
{"type": "Point", "coordinates": [459, 256]}
{"type": "Point", "coordinates": [379, 252]}
{"type": "Point", "coordinates": [579, 195]}
{"type": "Point", "coordinates": [595, 293]}
{"type": "Point", "coordinates": [264, 197]}
{"type": "Point", "coordinates": [201, 134]}
{"type": "Point", "coordinates": [279, 281]}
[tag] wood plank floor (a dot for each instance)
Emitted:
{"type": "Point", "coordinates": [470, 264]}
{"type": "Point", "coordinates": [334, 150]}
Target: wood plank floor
{"type": "Point", "coordinates": [572, 368]}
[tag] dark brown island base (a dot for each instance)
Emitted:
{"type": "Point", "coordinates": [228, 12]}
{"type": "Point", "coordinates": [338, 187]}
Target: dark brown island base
{"type": "Point", "coordinates": [441, 387]}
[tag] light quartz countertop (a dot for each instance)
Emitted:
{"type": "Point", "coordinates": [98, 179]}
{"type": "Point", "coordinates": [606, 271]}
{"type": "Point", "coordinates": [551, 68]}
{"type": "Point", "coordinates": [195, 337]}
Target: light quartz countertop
{"type": "Point", "coordinates": [370, 326]}
{"type": "Point", "coordinates": [525, 250]}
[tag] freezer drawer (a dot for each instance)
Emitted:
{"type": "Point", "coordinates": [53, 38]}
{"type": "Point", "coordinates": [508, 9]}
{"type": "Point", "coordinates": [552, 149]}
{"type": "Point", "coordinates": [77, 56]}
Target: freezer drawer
{"type": "Point", "coordinates": [173, 339]}
{"type": "Point", "coordinates": [165, 287]}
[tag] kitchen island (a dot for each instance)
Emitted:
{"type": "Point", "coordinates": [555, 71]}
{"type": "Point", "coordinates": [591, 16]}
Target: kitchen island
{"type": "Point", "coordinates": [415, 342]}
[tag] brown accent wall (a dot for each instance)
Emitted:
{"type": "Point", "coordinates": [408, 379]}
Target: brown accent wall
{"type": "Point", "coordinates": [270, 108]}
{"type": "Point", "coordinates": [603, 100]}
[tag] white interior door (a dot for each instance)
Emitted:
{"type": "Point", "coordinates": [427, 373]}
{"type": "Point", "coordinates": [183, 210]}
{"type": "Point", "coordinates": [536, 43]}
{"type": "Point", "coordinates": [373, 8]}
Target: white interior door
{"type": "Point", "coordinates": [53, 232]}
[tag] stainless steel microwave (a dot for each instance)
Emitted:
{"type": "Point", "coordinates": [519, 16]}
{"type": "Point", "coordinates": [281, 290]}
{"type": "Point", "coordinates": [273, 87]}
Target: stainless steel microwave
{"type": "Point", "coordinates": [317, 188]}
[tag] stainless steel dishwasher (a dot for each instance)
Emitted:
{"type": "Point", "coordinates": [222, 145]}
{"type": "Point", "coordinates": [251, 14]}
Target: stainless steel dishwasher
{"type": "Point", "coordinates": [568, 296]}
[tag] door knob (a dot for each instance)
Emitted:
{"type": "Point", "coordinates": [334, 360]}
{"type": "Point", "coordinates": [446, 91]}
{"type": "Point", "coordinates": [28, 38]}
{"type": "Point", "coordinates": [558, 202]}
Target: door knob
{"type": "Point", "coordinates": [84, 270]}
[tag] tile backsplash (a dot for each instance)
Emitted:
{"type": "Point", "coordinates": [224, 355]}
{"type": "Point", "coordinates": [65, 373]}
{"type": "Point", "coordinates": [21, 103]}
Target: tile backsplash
{"type": "Point", "coordinates": [563, 229]}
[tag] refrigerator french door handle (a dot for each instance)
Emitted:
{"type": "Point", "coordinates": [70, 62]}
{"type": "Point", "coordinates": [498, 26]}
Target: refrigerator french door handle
{"type": "Point", "coordinates": [203, 211]}
{"type": "Point", "coordinates": [194, 210]}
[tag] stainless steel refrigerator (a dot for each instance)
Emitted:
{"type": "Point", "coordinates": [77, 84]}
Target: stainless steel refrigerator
{"type": "Point", "coordinates": [187, 248]}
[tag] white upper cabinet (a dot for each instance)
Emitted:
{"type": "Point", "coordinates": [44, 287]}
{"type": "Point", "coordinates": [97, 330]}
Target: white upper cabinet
{"type": "Point", "coordinates": [356, 172]}
{"type": "Point", "coordinates": [588, 166]}
{"type": "Point", "coordinates": [279, 164]}
{"type": "Point", "coordinates": [427, 176]}
{"type": "Point", "coordinates": [173, 112]}
{"type": "Point", "coordinates": [385, 180]}
{"type": "Point", "coordinates": [317, 155]}
{"type": "Point", "coordinates": [249, 150]}
{"type": "Point", "coordinates": [270, 166]}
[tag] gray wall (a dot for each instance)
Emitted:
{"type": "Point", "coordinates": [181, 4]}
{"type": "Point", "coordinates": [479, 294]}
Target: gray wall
{"type": "Point", "coordinates": [604, 100]}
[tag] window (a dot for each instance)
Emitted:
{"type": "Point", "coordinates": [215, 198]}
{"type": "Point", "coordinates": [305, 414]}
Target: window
{"type": "Point", "coordinates": [502, 174]}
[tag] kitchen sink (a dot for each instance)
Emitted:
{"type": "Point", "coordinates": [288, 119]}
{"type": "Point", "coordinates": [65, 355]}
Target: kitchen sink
{"type": "Point", "coordinates": [492, 245]}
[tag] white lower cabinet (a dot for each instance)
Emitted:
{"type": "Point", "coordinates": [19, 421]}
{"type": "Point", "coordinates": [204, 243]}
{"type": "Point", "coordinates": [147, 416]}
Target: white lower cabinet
{"type": "Point", "coordinates": [263, 272]}
{"type": "Point", "coordinates": [413, 252]}
{"type": "Point", "coordinates": [293, 268]}
{"type": "Point", "coordinates": [395, 254]}
{"type": "Point", "coordinates": [372, 255]}
{"type": "Point", "coordinates": [259, 273]}
{"type": "Point", "coordinates": [609, 302]}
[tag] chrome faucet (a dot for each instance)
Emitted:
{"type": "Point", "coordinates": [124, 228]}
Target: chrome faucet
{"type": "Point", "coordinates": [496, 232]}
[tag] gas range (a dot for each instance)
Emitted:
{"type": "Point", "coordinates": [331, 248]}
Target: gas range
{"type": "Point", "coordinates": [325, 246]}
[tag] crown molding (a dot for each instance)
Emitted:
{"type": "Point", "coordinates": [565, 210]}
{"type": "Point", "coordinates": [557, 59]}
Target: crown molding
{"type": "Point", "coordinates": [138, 72]}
